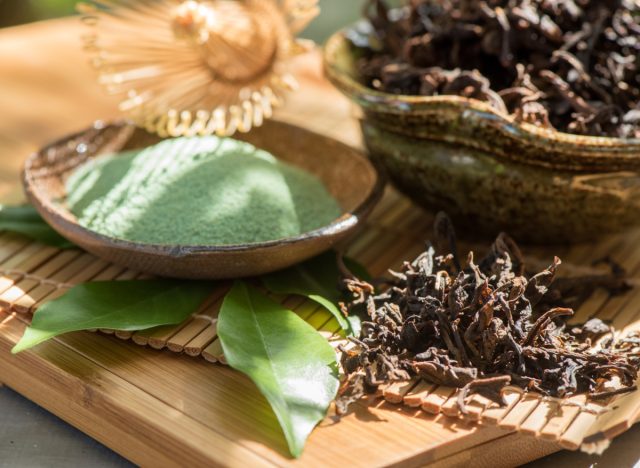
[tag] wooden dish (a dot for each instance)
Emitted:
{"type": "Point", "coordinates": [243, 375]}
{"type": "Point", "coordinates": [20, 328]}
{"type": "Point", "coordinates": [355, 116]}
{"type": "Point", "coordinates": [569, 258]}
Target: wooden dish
{"type": "Point", "coordinates": [348, 176]}
{"type": "Point", "coordinates": [488, 171]}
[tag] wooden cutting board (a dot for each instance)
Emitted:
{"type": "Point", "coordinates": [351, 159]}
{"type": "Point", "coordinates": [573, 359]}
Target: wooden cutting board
{"type": "Point", "coordinates": [164, 408]}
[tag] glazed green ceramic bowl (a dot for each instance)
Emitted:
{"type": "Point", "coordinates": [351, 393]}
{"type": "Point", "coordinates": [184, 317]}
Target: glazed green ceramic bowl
{"type": "Point", "coordinates": [487, 171]}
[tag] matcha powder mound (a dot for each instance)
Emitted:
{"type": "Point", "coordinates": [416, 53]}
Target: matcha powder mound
{"type": "Point", "coordinates": [198, 191]}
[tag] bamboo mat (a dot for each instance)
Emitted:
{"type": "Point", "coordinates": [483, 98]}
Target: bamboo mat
{"type": "Point", "coordinates": [32, 273]}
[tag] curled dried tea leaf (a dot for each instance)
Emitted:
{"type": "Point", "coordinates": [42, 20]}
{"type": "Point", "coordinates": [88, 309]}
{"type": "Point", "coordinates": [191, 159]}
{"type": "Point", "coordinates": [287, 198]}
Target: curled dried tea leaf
{"type": "Point", "coordinates": [482, 327]}
{"type": "Point", "coordinates": [563, 64]}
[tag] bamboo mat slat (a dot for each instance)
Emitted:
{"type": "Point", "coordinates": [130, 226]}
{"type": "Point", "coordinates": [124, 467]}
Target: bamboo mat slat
{"type": "Point", "coordinates": [496, 413]}
{"type": "Point", "coordinates": [417, 394]}
{"type": "Point", "coordinates": [563, 417]}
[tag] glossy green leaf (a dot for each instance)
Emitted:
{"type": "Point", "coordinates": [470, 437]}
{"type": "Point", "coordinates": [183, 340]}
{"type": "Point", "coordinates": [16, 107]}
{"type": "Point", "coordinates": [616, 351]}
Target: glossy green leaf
{"type": "Point", "coordinates": [26, 220]}
{"type": "Point", "coordinates": [290, 362]}
{"type": "Point", "coordinates": [317, 279]}
{"type": "Point", "coordinates": [116, 305]}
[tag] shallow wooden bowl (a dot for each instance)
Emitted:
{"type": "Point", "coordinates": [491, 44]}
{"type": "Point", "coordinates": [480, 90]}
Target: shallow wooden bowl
{"type": "Point", "coordinates": [347, 174]}
{"type": "Point", "coordinates": [488, 171]}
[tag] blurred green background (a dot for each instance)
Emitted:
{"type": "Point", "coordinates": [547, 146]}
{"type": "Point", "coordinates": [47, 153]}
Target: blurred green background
{"type": "Point", "coordinates": [334, 15]}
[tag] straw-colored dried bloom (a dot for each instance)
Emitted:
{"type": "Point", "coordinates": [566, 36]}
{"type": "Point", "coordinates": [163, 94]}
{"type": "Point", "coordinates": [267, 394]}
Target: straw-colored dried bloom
{"type": "Point", "coordinates": [196, 67]}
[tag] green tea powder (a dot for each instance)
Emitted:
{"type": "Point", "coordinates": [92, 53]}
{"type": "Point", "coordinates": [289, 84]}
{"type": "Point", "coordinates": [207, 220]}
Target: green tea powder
{"type": "Point", "coordinates": [198, 191]}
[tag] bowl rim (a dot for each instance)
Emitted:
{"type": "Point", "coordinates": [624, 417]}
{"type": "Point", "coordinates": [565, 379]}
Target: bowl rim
{"type": "Point", "coordinates": [346, 221]}
{"type": "Point", "coordinates": [404, 103]}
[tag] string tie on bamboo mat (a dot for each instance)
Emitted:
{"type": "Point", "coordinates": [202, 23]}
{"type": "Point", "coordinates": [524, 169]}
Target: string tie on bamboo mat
{"type": "Point", "coordinates": [38, 279]}
{"type": "Point", "coordinates": [211, 320]}
{"type": "Point", "coordinates": [562, 402]}
{"type": "Point", "coordinates": [9, 317]}
{"type": "Point", "coordinates": [586, 407]}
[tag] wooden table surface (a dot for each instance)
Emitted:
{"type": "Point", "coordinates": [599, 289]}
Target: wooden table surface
{"type": "Point", "coordinates": [47, 90]}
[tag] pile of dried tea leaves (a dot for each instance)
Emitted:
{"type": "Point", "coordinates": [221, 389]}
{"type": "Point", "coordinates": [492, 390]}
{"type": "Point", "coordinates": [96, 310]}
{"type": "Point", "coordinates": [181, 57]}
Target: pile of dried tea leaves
{"type": "Point", "coordinates": [483, 326]}
{"type": "Point", "coordinates": [572, 65]}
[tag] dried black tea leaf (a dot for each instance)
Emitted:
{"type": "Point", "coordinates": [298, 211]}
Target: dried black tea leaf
{"type": "Point", "coordinates": [572, 65]}
{"type": "Point", "coordinates": [484, 325]}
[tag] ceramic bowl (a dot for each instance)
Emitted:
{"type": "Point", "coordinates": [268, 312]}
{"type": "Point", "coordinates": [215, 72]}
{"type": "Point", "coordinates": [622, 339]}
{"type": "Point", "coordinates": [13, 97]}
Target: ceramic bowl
{"type": "Point", "coordinates": [347, 174]}
{"type": "Point", "coordinates": [489, 172]}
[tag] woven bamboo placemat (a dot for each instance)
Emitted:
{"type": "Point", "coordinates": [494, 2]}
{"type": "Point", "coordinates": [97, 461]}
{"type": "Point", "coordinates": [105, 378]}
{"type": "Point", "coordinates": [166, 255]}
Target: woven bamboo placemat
{"type": "Point", "coordinates": [32, 273]}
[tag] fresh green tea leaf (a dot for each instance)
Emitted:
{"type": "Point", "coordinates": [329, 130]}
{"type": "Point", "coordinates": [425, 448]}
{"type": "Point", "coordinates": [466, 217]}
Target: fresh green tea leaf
{"type": "Point", "coordinates": [26, 220]}
{"type": "Point", "coordinates": [318, 280]}
{"type": "Point", "coordinates": [292, 365]}
{"type": "Point", "coordinates": [350, 324]}
{"type": "Point", "coordinates": [117, 305]}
